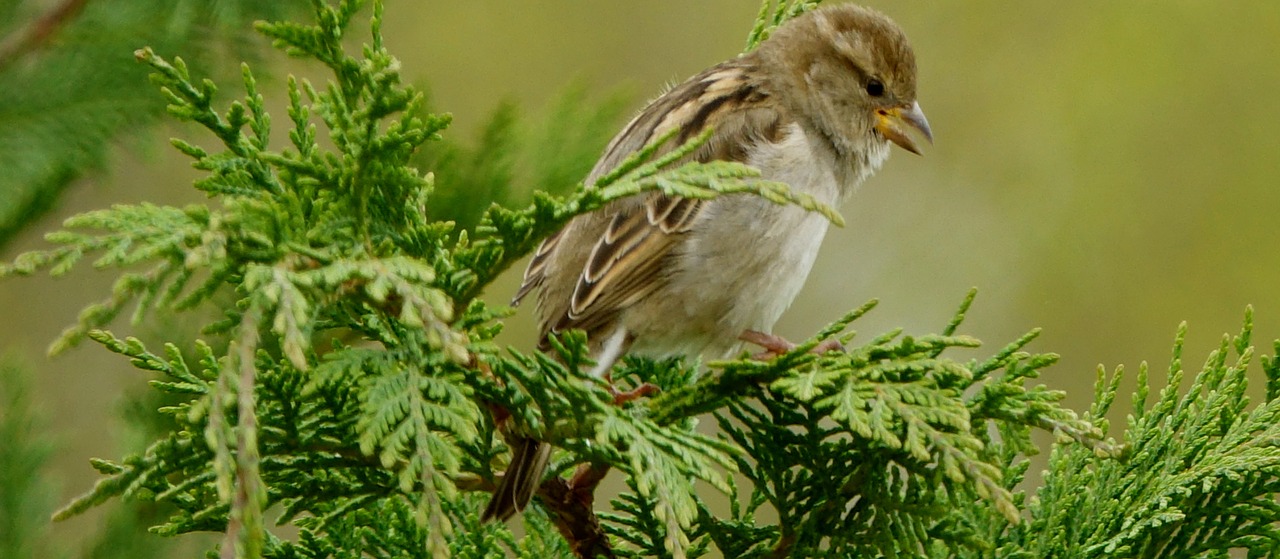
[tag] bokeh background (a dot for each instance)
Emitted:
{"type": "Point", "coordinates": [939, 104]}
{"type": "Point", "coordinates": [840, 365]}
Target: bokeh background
{"type": "Point", "coordinates": [1102, 170]}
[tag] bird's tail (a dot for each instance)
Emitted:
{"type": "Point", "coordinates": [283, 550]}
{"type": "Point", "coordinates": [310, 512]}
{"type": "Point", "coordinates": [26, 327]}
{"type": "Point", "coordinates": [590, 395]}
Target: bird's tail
{"type": "Point", "coordinates": [528, 463]}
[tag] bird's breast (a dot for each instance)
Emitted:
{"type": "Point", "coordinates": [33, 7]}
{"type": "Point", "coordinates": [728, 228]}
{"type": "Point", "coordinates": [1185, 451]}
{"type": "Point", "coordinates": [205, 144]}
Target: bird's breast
{"type": "Point", "coordinates": [743, 263]}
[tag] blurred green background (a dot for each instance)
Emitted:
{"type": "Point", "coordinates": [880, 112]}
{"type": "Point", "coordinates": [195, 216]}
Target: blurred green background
{"type": "Point", "coordinates": [1102, 170]}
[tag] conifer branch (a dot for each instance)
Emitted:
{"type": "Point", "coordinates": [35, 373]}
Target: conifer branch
{"type": "Point", "coordinates": [350, 380]}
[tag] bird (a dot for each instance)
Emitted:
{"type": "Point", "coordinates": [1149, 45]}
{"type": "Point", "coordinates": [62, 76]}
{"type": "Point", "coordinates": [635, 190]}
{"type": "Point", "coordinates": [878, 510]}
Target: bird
{"type": "Point", "coordinates": [816, 106]}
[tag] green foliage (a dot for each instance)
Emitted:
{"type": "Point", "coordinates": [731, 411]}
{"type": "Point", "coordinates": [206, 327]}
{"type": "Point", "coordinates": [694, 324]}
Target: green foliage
{"type": "Point", "coordinates": [68, 87]}
{"type": "Point", "coordinates": [353, 382]}
{"type": "Point", "coordinates": [25, 495]}
{"type": "Point", "coordinates": [1200, 474]}
{"type": "Point", "coordinates": [773, 14]}
{"type": "Point", "coordinates": [513, 155]}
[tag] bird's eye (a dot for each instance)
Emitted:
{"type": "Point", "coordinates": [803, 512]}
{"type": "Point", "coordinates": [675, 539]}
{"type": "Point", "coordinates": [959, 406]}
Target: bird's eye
{"type": "Point", "coordinates": [875, 88]}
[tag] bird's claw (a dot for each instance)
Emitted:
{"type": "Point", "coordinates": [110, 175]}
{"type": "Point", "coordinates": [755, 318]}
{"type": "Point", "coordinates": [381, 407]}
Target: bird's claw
{"type": "Point", "coordinates": [642, 391]}
{"type": "Point", "coordinates": [774, 345]}
{"type": "Point", "coordinates": [827, 346]}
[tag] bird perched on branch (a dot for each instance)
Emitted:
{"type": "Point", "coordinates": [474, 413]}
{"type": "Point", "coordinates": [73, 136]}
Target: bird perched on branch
{"type": "Point", "coordinates": [815, 106]}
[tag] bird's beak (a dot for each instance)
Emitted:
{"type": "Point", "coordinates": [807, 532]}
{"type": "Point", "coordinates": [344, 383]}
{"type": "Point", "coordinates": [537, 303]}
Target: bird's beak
{"type": "Point", "coordinates": [894, 123]}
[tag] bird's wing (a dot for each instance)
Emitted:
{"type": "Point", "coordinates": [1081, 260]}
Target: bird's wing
{"type": "Point", "coordinates": [631, 239]}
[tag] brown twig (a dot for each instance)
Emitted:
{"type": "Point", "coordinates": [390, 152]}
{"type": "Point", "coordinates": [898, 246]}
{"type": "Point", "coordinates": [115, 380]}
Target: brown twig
{"type": "Point", "coordinates": [39, 32]}
{"type": "Point", "coordinates": [782, 549]}
{"type": "Point", "coordinates": [570, 504]}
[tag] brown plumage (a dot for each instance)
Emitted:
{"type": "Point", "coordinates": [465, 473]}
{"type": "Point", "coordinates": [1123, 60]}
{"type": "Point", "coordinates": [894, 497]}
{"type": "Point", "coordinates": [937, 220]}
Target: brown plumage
{"type": "Point", "coordinates": [815, 106]}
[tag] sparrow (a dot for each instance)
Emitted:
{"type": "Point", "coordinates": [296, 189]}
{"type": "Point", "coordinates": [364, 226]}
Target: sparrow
{"type": "Point", "coordinates": [815, 106]}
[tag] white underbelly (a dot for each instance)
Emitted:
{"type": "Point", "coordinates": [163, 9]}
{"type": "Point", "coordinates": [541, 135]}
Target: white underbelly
{"type": "Point", "coordinates": [744, 261]}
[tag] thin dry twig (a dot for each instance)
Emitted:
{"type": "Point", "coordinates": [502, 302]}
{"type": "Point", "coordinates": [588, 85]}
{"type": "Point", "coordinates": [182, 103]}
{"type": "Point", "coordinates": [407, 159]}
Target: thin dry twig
{"type": "Point", "coordinates": [38, 32]}
{"type": "Point", "coordinates": [570, 504]}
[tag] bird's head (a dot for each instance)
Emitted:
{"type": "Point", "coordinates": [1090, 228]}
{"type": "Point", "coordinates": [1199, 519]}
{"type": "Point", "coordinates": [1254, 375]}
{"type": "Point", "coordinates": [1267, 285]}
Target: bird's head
{"type": "Point", "coordinates": [851, 73]}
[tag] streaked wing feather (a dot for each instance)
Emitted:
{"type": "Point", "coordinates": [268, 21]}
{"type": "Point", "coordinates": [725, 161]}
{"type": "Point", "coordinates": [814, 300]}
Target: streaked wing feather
{"type": "Point", "coordinates": [535, 273]}
{"type": "Point", "coordinates": [636, 237]}
{"type": "Point", "coordinates": [626, 263]}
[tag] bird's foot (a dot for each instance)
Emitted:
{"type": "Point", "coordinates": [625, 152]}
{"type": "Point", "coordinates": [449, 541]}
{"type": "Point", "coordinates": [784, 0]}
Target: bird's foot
{"type": "Point", "coordinates": [642, 391]}
{"type": "Point", "coordinates": [775, 345]}
{"type": "Point", "coordinates": [826, 346]}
